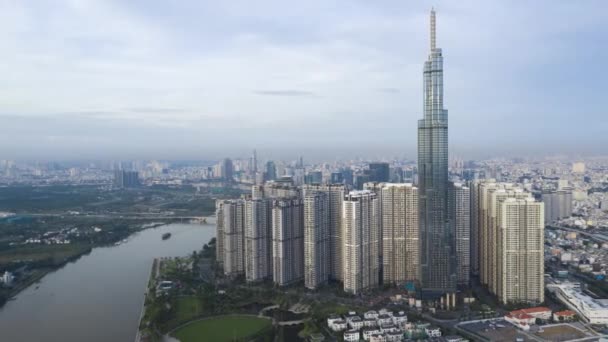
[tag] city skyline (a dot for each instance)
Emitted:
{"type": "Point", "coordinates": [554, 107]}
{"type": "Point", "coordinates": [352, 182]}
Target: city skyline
{"type": "Point", "coordinates": [193, 83]}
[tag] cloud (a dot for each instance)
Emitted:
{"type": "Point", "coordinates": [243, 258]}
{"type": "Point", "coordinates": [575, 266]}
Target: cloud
{"type": "Point", "coordinates": [284, 92]}
{"type": "Point", "coordinates": [244, 73]}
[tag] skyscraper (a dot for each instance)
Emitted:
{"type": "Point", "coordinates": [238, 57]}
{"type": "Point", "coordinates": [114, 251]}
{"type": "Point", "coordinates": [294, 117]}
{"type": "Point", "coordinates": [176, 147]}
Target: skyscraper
{"type": "Point", "coordinates": [288, 241]}
{"type": "Point", "coordinates": [219, 233]}
{"type": "Point", "coordinates": [316, 239]}
{"type": "Point", "coordinates": [233, 212]}
{"type": "Point", "coordinates": [520, 266]}
{"type": "Point", "coordinates": [438, 259]}
{"type": "Point", "coordinates": [400, 243]}
{"type": "Point", "coordinates": [360, 221]}
{"type": "Point", "coordinates": [335, 196]}
{"type": "Point", "coordinates": [258, 239]}
{"type": "Point", "coordinates": [460, 217]}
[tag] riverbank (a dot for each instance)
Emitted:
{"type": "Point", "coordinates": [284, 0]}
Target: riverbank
{"type": "Point", "coordinates": [106, 286]}
{"type": "Point", "coordinates": [45, 259]}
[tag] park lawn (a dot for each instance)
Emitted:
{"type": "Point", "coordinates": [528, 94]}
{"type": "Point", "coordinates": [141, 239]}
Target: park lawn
{"type": "Point", "coordinates": [222, 329]}
{"type": "Point", "coordinates": [188, 307]}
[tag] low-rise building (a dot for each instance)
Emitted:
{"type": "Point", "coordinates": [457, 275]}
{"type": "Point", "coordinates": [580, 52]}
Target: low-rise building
{"type": "Point", "coordinates": [541, 312]}
{"type": "Point", "coordinates": [356, 323]}
{"type": "Point", "coordinates": [372, 314]}
{"type": "Point", "coordinates": [351, 336]}
{"type": "Point", "coordinates": [339, 325]}
{"type": "Point", "coordinates": [519, 318]}
{"type": "Point", "coordinates": [394, 336]}
{"type": "Point", "coordinates": [400, 318]}
{"type": "Point", "coordinates": [370, 323]}
{"type": "Point", "coordinates": [564, 316]}
{"type": "Point", "coordinates": [389, 328]}
{"type": "Point", "coordinates": [378, 338]}
{"type": "Point", "coordinates": [367, 333]}
{"type": "Point", "coordinates": [432, 331]}
{"type": "Point", "coordinates": [384, 319]}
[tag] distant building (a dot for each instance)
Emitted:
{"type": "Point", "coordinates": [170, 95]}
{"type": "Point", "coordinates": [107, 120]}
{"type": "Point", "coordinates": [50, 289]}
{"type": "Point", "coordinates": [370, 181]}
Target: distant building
{"type": "Point", "coordinates": [270, 172]}
{"type": "Point", "coordinates": [578, 167]}
{"type": "Point", "coordinates": [337, 178]}
{"type": "Point", "coordinates": [288, 241]}
{"type": "Point", "coordinates": [558, 204]}
{"type": "Point", "coordinates": [360, 225]}
{"type": "Point", "coordinates": [7, 278]}
{"type": "Point", "coordinates": [314, 177]}
{"type": "Point", "coordinates": [379, 172]}
{"type": "Point", "coordinates": [126, 179]}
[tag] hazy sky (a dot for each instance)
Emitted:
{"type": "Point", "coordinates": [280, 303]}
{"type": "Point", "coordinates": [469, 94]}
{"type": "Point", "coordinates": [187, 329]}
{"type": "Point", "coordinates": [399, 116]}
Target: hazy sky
{"type": "Point", "coordinates": [203, 79]}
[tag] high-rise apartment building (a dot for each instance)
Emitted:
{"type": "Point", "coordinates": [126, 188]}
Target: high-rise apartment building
{"type": "Point", "coordinates": [274, 189]}
{"type": "Point", "coordinates": [360, 221]}
{"type": "Point", "coordinates": [219, 233]}
{"type": "Point", "coordinates": [233, 212]}
{"type": "Point", "coordinates": [288, 240]}
{"type": "Point", "coordinates": [460, 217]}
{"type": "Point", "coordinates": [558, 204]}
{"type": "Point", "coordinates": [437, 251]}
{"type": "Point", "coordinates": [520, 265]}
{"type": "Point", "coordinates": [258, 239]}
{"type": "Point", "coordinates": [400, 243]}
{"type": "Point", "coordinates": [335, 197]}
{"type": "Point", "coordinates": [316, 239]}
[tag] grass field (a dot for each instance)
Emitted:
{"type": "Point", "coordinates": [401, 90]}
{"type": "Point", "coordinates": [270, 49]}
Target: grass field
{"type": "Point", "coordinates": [53, 254]}
{"type": "Point", "coordinates": [562, 332]}
{"type": "Point", "coordinates": [222, 329]}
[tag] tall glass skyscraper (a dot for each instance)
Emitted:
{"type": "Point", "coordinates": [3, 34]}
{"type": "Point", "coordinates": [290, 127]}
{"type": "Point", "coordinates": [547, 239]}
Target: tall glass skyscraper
{"type": "Point", "coordinates": [437, 243]}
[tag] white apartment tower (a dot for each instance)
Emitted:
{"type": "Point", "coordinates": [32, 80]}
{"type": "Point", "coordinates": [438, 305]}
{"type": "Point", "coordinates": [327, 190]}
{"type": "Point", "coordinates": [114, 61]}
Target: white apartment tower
{"type": "Point", "coordinates": [399, 217]}
{"type": "Point", "coordinates": [219, 233]}
{"type": "Point", "coordinates": [288, 241]}
{"type": "Point", "coordinates": [360, 221]}
{"type": "Point", "coordinates": [316, 240]}
{"type": "Point", "coordinates": [258, 240]}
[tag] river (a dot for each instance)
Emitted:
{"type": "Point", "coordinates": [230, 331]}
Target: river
{"type": "Point", "coordinates": [99, 296]}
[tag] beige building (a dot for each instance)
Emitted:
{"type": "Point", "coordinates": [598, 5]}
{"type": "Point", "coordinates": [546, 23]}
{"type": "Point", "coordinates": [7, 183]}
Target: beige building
{"type": "Point", "coordinates": [219, 233]}
{"type": "Point", "coordinates": [360, 222]}
{"type": "Point", "coordinates": [288, 241]}
{"type": "Point", "coordinates": [335, 196]}
{"type": "Point", "coordinates": [400, 243]}
{"type": "Point", "coordinates": [520, 265]}
{"type": "Point", "coordinates": [499, 224]}
{"type": "Point", "coordinates": [316, 239]}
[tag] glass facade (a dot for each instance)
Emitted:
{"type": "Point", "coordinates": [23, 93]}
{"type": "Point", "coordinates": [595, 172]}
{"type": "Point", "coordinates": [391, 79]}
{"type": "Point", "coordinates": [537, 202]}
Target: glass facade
{"type": "Point", "coordinates": [437, 240]}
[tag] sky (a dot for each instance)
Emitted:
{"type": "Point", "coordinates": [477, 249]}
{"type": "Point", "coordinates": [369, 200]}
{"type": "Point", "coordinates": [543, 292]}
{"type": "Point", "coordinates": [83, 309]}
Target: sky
{"type": "Point", "coordinates": [203, 79]}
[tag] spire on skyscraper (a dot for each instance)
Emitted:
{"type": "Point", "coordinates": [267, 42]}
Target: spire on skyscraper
{"type": "Point", "coordinates": [433, 29]}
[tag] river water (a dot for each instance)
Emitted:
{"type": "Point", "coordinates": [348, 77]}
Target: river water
{"type": "Point", "coordinates": [99, 296]}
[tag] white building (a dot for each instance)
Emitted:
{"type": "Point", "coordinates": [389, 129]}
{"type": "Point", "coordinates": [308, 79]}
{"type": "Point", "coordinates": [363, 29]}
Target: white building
{"type": "Point", "coordinates": [7, 278]}
{"type": "Point", "coordinates": [351, 336]}
{"type": "Point", "coordinates": [368, 333]}
{"type": "Point", "coordinates": [432, 331]}
{"type": "Point", "coordinates": [233, 214]}
{"type": "Point", "coordinates": [594, 311]}
{"type": "Point", "coordinates": [360, 220]}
